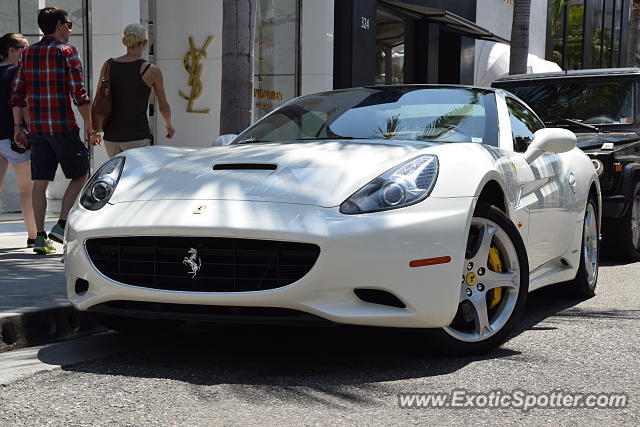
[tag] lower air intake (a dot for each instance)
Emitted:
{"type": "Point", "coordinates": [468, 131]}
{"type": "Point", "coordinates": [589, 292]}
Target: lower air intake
{"type": "Point", "coordinates": [376, 296]}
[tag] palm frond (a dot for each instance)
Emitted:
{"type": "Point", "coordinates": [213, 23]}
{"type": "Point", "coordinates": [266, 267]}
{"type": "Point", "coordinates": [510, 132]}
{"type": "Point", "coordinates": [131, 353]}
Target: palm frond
{"type": "Point", "coordinates": [445, 123]}
{"type": "Point", "coordinates": [393, 125]}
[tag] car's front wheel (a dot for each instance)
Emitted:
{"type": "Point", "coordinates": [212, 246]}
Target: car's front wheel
{"type": "Point", "coordinates": [494, 285]}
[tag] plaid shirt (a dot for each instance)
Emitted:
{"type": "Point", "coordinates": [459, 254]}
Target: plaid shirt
{"type": "Point", "coordinates": [50, 71]}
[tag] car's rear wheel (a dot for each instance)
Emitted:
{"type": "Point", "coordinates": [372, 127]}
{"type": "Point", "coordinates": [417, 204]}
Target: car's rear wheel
{"type": "Point", "coordinates": [134, 326]}
{"type": "Point", "coordinates": [586, 279]}
{"type": "Point", "coordinates": [494, 286]}
{"type": "Point", "coordinates": [622, 236]}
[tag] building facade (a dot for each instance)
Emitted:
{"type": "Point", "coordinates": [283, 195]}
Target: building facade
{"type": "Point", "coordinates": [592, 33]}
{"type": "Point", "coordinates": [306, 46]}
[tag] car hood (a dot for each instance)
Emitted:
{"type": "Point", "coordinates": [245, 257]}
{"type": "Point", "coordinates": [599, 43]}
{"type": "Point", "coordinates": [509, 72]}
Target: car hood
{"type": "Point", "coordinates": [587, 141]}
{"type": "Point", "coordinates": [317, 173]}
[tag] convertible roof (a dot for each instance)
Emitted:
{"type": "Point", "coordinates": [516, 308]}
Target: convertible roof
{"type": "Point", "coordinates": [427, 86]}
{"type": "Point", "coordinates": [598, 72]}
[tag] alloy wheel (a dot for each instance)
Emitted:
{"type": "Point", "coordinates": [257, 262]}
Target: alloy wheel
{"type": "Point", "coordinates": [480, 314]}
{"type": "Point", "coordinates": [590, 244]}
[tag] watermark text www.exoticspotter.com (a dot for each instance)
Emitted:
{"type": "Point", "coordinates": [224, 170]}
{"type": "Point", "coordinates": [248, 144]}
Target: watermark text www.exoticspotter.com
{"type": "Point", "coordinates": [518, 399]}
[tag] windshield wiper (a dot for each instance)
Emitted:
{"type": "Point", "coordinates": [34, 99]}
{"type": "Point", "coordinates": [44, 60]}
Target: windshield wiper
{"type": "Point", "coordinates": [249, 140]}
{"type": "Point", "coordinates": [313, 138]}
{"type": "Point", "coordinates": [323, 138]}
{"type": "Point", "coordinates": [575, 122]}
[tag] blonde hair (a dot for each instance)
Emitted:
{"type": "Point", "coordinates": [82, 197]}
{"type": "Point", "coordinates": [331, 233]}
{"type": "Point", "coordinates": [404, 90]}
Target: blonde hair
{"type": "Point", "coordinates": [134, 34]}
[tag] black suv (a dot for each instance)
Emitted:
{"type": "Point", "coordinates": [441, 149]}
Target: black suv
{"type": "Point", "coordinates": [602, 107]}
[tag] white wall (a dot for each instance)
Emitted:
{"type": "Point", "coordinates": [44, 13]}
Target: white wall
{"type": "Point", "coordinates": [175, 22]}
{"type": "Point", "coordinates": [538, 28]}
{"type": "Point", "coordinates": [497, 16]}
{"type": "Point", "coordinates": [316, 46]}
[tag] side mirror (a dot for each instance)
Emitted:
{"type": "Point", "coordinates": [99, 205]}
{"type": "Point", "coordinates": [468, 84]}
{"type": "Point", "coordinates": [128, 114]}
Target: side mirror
{"type": "Point", "coordinates": [224, 140]}
{"type": "Point", "coordinates": [550, 140]}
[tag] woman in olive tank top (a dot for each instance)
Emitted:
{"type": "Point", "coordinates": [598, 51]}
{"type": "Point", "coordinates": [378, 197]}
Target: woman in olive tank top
{"type": "Point", "coordinates": [131, 80]}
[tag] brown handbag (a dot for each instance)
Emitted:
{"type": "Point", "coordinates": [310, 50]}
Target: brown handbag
{"type": "Point", "coordinates": [103, 101]}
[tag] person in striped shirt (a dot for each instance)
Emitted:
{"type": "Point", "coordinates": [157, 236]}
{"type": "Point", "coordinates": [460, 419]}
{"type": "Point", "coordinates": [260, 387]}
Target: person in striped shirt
{"type": "Point", "coordinates": [48, 79]}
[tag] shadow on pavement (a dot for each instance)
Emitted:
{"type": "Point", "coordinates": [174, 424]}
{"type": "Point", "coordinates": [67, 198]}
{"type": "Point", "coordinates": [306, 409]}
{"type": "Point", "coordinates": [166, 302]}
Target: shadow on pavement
{"type": "Point", "coordinates": [558, 301]}
{"type": "Point", "coordinates": [325, 359]}
{"type": "Point", "coordinates": [322, 358]}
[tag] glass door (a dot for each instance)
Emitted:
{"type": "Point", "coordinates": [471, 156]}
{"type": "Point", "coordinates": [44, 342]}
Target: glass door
{"type": "Point", "coordinates": [390, 38]}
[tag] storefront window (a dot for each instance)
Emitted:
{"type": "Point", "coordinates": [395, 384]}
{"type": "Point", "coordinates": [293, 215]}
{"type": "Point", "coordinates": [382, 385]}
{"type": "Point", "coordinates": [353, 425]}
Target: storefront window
{"type": "Point", "coordinates": [567, 53]}
{"type": "Point", "coordinates": [9, 14]}
{"type": "Point", "coordinates": [617, 26]}
{"type": "Point", "coordinates": [602, 34]}
{"type": "Point", "coordinates": [276, 55]}
{"type": "Point", "coordinates": [600, 20]}
{"type": "Point", "coordinates": [21, 16]}
{"type": "Point", "coordinates": [390, 30]}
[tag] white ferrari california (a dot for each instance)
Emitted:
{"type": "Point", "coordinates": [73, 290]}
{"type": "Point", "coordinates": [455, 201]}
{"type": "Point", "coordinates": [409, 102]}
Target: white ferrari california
{"type": "Point", "coordinates": [423, 206]}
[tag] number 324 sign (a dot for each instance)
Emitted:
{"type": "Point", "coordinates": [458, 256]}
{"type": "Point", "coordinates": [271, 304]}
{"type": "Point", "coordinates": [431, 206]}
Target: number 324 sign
{"type": "Point", "coordinates": [365, 23]}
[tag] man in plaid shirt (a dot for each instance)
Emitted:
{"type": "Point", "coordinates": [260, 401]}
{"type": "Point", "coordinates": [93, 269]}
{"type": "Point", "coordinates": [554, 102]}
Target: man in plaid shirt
{"type": "Point", "coordinates": [49, 76]}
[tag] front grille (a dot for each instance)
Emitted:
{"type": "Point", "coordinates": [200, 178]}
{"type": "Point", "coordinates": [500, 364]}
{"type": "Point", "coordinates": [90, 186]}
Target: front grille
{"type": "Point", "coordinates": [226, 264]}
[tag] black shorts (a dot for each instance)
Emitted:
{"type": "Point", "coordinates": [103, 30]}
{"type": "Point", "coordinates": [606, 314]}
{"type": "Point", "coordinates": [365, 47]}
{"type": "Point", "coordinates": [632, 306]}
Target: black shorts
{"type": "Point", "coordinates": [49, 150]}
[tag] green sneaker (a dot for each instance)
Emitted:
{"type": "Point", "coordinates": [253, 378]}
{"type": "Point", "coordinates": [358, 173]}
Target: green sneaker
{"type": "Point", "coordinates": [57, 233]}
{"type": "Point", "coordinates": [43, 246]}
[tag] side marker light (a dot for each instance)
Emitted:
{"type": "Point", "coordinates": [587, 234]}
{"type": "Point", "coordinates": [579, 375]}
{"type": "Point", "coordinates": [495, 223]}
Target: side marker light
{"type": "Point", "coordinates": [429, 261]}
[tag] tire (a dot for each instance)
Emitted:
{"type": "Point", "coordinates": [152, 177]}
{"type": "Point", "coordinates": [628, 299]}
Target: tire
{"type": "Point", "coordinates": [622, 235]}
{"type": "Point", "coordinates": [481, 324]}
{"type": "Point", "coordinates": [134, 326]}
{"type": "Point", "coordinates": [584, 284]}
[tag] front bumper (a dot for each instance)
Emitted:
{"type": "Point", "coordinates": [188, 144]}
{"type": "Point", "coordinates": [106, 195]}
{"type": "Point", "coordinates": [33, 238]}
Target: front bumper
{"type": "Point", "coordinates": [370, 251]}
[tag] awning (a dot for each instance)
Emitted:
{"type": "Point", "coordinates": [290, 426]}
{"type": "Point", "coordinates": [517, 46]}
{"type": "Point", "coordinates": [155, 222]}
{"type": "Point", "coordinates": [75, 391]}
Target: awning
{"type": "Point", "coordinates": [493, 63]}
{"type": "Point", "coordinates": [448, 20]}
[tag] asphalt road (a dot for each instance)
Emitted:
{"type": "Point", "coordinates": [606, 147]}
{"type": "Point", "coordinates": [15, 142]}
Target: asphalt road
{"type": "Point", "coordinates": [205, 375]}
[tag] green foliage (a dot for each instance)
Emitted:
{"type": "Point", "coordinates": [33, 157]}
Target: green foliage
{"type": "Point", "coordinates": [393, 125]}
{"type": "Point", "coordinates": [445, 123]}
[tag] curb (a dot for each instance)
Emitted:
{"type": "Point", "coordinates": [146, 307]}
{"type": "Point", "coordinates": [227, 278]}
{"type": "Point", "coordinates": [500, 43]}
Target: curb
{"type": "Point", "coordinates": [39, 327]}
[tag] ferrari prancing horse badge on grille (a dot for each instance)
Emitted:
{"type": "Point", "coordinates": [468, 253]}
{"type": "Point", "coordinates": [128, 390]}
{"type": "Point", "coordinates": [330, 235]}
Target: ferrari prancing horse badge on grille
{"type": "Point", "coordinates": [192, 261]}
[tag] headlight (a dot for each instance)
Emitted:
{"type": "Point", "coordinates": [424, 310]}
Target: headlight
{"type": "Point", "coordinates": [102, 184]}
{"type": "Point", "coordinates": [404, 185]}
{"type": "Point", "coordinates": [598, 165]}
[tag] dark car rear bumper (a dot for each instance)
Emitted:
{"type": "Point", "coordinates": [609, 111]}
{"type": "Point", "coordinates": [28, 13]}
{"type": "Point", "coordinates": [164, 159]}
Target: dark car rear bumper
{"type": "Point", "coordinates": [613, 206]}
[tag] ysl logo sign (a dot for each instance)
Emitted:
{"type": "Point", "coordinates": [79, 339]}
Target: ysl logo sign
{"type": "Point", "coordinates": [193, 67]}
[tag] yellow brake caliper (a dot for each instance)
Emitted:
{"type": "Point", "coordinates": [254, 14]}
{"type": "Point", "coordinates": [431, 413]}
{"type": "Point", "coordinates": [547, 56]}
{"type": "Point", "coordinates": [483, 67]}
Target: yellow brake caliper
{"type": "Point", "coordinates": [495, 264]}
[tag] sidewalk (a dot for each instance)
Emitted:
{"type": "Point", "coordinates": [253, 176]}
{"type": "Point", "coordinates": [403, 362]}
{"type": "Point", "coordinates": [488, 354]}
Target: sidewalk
{"type": "Point", "coordinates": [33, 303]}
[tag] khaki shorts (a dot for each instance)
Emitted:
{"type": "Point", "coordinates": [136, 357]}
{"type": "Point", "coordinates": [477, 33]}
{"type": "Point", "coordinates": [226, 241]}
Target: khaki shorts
{"type": "Point", "coordinates": [114, 148]}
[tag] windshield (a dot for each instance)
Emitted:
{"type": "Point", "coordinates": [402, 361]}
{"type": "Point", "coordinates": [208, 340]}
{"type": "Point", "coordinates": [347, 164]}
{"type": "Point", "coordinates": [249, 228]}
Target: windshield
{"type": "Point", "coordinates": [387, 113]}
{"type": "Point", "coordinates": [608, 103]}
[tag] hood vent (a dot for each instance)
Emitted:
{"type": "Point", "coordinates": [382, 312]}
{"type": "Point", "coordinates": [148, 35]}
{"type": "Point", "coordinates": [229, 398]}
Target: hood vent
{"type": "Point", "coordinates": [245, 166]}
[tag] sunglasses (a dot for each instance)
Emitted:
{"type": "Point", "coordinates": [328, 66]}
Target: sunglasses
{"type": "Point", "coordinates": [70, 24]}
